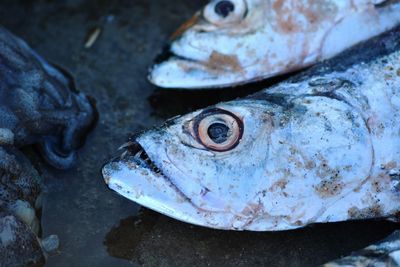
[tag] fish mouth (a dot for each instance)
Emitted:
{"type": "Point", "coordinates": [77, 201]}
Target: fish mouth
{"type": "Point", "coordinates": [168, 55]}
{"type": "Point", "coordinates": [176, 70]}
{"type": "Point", "coordinates": [141, 158]}
{"type": "Point", "coordinates": [135, 157]}
{"type": "Point", "coordinates": [135, 176]}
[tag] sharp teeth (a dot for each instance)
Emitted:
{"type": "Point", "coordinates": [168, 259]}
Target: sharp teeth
{"type": "Point", "coordinates": [138, 154]}
{"type": "Point", "coordinates": [124, 154]}
{"type": "Point", "coordinates": [142, 158]}
{"type": "Point", "coordinates": [127, 144]}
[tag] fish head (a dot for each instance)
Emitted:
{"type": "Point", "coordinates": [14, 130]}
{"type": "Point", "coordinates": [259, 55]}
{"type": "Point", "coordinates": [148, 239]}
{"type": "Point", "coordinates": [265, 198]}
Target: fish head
{"type": "Point", "coordinates": [232, 42]}
{"type": "Point", "coordinates": [215, 48]}
{"type": "Point", "coordinates": [196, 167]}
{"type": "Point", "coordinates": [247, 164]}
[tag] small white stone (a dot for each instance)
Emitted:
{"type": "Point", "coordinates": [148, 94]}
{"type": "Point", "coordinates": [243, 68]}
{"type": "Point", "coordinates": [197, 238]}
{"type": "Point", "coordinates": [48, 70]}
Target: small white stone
{"type": "Point", "coordinates": [51, 243]}
{"type": "Point", "coordinates": [6, 136]}
{"type": "Point", "coordinates": [24, 211]}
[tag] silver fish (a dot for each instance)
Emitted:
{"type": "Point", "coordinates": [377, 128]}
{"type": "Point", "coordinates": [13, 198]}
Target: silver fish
{"type": "Point", "coordinates": [321, 147]}
{"type": "Point", "coordinates": [231, 42]}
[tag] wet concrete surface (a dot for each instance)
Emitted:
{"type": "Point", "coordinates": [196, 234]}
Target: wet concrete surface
{"type": "Point", "coordinates": [97, 227]}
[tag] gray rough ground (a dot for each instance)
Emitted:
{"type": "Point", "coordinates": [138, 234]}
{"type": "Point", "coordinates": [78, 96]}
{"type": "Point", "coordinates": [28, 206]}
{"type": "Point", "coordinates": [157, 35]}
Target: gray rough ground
{"type": "Point", "coordinates": [99, 228]}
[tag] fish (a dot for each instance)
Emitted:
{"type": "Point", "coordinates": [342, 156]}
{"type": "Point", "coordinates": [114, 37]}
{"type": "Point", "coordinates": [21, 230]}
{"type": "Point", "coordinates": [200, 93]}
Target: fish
{"type": "Point", "coordinates": [383, 253]}
{"type": "Point", "coordinates": [319, 147]}
{"type": "Point", "coordinates": [233, 42]}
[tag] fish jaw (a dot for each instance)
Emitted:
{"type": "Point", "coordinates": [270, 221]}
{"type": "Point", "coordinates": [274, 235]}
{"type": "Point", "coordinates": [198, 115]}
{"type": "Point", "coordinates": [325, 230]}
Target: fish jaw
{"type": "Point", "coordinates": [139, 182]}
{"type": "Point", "coordinates": [148, 189]}
{"type": "Point", "coordinates": [181, 73]}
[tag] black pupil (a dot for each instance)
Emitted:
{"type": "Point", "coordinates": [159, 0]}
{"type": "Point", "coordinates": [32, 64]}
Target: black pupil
{"type": "Point", "coordinates": [223, 8]}
{"type": "Point", "coordinates": [218, 132]}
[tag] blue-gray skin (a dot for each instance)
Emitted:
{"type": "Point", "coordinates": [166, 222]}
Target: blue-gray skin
{"type": "Point", "coordinates": [38, 105]}
{"type": "Point", "coordinates": [20, 190]}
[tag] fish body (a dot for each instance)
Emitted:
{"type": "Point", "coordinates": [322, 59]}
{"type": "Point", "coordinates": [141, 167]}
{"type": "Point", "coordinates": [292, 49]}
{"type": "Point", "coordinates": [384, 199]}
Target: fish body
{"type": "Point", "coordinates": [321, 147]}
{"type": "Point", "coordinates": [238, 41]}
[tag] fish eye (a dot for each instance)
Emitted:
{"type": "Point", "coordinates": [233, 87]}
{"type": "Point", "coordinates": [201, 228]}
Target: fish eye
{"type": "Point", "coordinates": [223, 8]}
{"type": "Point", "coordinates": [218, 130]}
{"type": "Point", "coordinates": [225, 11]}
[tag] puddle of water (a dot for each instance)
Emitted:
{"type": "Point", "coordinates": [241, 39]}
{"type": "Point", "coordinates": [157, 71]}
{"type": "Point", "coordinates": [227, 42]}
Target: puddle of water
{"type": "Point", "coordinates": [123, 240]}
